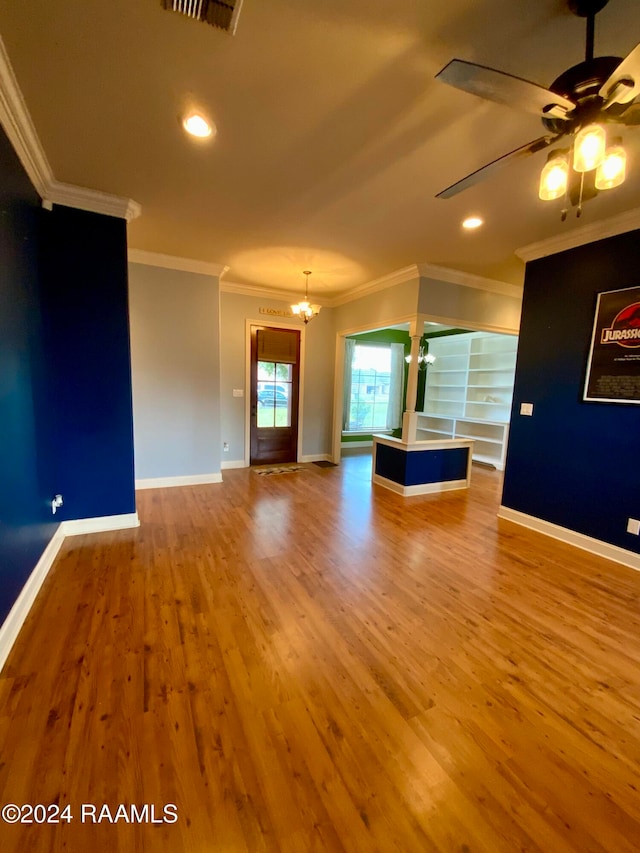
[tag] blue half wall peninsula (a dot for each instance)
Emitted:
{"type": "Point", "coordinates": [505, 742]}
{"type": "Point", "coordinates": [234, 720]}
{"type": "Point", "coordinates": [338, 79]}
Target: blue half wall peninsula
{"type": "Point", "coordinates": [421, 467]}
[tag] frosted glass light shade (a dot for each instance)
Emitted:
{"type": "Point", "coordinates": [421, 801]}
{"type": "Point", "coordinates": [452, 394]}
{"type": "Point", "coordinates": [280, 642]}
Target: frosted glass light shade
{"type": "Point", "coordinates": [305, 310]}
{"type": "Point", "coordinates": [553, 179]}
{"type": "Point", "coordinates": [589, 148]}
{"type": "Point", "coordinates": [197, 125]}
{"type": "Point", "coordinates": [612, 171]}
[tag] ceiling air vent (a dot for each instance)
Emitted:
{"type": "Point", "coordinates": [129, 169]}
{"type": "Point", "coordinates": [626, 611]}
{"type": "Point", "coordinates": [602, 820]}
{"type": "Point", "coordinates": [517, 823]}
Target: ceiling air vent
{"type": "Point", "coordinates": [218, 13]}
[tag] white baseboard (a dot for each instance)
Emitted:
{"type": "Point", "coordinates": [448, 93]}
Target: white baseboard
{"type": "Point", "coordinates": [571, 537]}
{"type": "Point", "coordinates": [311, 457]}
{"type": "Point", "coordinates": [100, 524]}
{"type": "Point", "coordinates": [421, 488]}
{"type": "Point", "coordinates": [15, 620]}
{"type": "Point", "coordinates": [12, 625]}
{"type": "Point", "coordinates": [169, 482]}
{"type": "Point", "coordinates": [345, 445]}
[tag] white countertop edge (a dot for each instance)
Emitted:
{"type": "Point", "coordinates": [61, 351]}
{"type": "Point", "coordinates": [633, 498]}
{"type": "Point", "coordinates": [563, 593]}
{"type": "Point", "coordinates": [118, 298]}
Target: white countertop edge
{"type": "Point", "coordinates": [428, 444]}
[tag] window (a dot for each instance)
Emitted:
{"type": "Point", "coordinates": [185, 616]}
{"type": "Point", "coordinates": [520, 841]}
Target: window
{"type": "Point", "coordinates": [274, 394]}
{"type": "Point", "coordinates": [371, 383]}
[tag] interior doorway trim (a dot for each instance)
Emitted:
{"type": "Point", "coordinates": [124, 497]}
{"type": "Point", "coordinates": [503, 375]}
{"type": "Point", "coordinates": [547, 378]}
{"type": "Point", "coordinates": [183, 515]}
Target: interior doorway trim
{"type": "Point", "coordinates": [338, 385]}
{"type": "Point", "coordinates": [271, 324]}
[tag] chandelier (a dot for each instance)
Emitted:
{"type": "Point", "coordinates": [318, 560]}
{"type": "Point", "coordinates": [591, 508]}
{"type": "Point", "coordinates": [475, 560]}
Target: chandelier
{"type": "Point", "coordinates": [304, 309]}
{"type": "Point", "coordinates": [424, 358]}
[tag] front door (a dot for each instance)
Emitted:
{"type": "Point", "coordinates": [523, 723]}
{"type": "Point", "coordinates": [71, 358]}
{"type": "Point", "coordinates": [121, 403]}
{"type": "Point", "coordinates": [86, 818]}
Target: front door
{"type": "Point", "coordinates": [275, 371]}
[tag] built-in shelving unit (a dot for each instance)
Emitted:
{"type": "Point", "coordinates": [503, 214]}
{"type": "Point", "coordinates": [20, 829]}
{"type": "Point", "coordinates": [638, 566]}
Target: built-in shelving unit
{"type": "Point", "coordinates": [468, 392]}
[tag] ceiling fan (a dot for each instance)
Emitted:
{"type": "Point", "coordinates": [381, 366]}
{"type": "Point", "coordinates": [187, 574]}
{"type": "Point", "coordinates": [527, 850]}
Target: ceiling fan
{"type": "Point", "coordinates": [600, 90]}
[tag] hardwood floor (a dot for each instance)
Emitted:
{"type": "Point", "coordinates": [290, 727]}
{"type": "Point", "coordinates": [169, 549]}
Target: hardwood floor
{"type": "Point", "coordinates": [301, 663]}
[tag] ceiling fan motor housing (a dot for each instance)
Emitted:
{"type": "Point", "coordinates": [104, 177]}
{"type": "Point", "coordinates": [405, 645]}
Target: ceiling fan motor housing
{"type": "Point", "coordinates": [581, 84]}
{"type": "Point", "coordinates": [598, 90]}
{"type": "Point", "coordinates": [584, 8]}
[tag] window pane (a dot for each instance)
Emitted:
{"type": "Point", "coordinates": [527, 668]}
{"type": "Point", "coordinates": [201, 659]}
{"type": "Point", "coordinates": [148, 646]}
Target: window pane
{"type": "Point", "coordinates": [274, 394]}
{"type": "Point", "coordinates": [370, 378]}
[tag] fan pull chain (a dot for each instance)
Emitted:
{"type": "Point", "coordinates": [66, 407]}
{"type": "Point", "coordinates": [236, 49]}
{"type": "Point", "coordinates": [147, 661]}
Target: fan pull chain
{"type": "Point", "coordinates": [565, 200]}
{"type": "Point", "coordinates": [565, 204]}
{"type": "Point", "coordinates": [579, 210]}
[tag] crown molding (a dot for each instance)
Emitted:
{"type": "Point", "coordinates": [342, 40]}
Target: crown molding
{"type": "Point", "coordinates": [466, 279]}
{"type": "Point", "coordinates": [15, 119]}
{"type": "Point", "coordinates": [620, 224]}
{"type": "Point", "coordinates": [172, 262]}
{"type": "Point", "coordinates": [263, 291]}
{"type": "Point", "coordinates": [409, 273]}
{"type": "Point", "coordinates": [390, 280]}
{"type": "Point", "coordinates": [17, 123]}
{"type": "Point", "coordinates": [93, 201]}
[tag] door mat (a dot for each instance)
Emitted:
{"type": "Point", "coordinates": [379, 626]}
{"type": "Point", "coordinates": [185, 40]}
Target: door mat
{"type": "Point", "coordinates": [277, 469]}
{"type": "Point", "coordinates": [322, 463]}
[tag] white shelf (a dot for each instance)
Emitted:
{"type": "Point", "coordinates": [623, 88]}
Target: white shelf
{"type": "Point", "coordinates": [491, 369]}
{"type": "Point", "coordinates": [473, 385]}
{"type": "Point", "coordinates": [477, 438]}
{"type": "Point", "coordinates": [450, 407]}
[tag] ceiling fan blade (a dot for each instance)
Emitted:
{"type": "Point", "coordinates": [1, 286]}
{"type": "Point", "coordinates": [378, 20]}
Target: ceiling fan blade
{"type": "Point", "coordinates": [490, 168]}
{"type": "Point", "coordinates": [624, 84]}
{"type": "Point", "coordinates": [631, 116]}
{"type": "Point", "coordinates": [504, 88]}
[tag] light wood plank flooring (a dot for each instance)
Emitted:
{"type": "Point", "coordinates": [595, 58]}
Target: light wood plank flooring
{"type": "Point", "coordinates": [301, 663]}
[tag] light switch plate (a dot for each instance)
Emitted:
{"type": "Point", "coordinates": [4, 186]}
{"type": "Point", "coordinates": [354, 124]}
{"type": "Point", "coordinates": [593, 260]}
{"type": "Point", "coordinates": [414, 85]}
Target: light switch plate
{"type": "Point", "coordinates": [526, 408]}
{"type": "Point", "coordinates": [238, 392]}
{"type": "Point", "coordinates": [633, 526]}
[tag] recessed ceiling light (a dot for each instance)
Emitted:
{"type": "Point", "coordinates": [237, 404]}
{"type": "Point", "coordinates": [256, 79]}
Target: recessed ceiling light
{"type": "Point", "coordinates": [197, 125]}
{"type": "Point", "coordinates": [472, 222]}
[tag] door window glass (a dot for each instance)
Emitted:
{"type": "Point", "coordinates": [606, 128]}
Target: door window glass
{"type": "Point", "coordinates": [274, 394]}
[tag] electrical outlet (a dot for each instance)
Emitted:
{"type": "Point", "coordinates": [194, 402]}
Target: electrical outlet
{"type": "Point", "coordinates": [225, 447]}
{"type": "Point", "coordinates": [633, 526]}
{"type": "Point", "coordinates": [526, 408]}
{"type": "Point", "coordinates": [56, 503]}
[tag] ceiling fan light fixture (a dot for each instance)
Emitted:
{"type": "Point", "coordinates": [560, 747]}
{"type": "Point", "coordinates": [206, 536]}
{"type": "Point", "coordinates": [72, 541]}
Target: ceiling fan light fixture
{"type": "Point", "coordinates": [612, 171]}
{"type": "Point", "coordinates": [589, 148]}
{"type": "Point", "coordinates": [554, 177]}
{"type": "Point", "coordinates": [472, 222]}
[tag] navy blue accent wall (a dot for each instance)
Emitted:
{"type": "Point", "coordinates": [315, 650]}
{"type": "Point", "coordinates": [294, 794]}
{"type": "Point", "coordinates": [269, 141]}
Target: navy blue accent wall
{"type": "Point", "coordinates": [66, 423]}
{"type": "Point", "coordinates": [85, 302]}
{"type": "Point", "coordinates": [421, 466]}
{"type": "Point", "coordinates": [26, 523]}
{"type": "Point", "coordinates": [573, 463]}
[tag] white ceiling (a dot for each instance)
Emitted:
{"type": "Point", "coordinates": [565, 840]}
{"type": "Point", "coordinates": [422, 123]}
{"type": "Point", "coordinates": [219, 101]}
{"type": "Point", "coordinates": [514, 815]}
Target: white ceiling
{"type": "Point", "coordinates": [333, 136]}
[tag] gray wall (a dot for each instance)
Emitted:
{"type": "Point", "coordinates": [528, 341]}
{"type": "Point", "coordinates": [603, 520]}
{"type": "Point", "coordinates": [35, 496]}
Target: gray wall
{"type": "Point", "coordinates": [317, 401]}
{"type": "Point", "coordinates": [379, 309]}
{"type": "Point", "coordinates": [175, 362]}
{"type": "Point", "coordinates": [188, 353]}
{"type": "Point", "coordinates": [470, 306]}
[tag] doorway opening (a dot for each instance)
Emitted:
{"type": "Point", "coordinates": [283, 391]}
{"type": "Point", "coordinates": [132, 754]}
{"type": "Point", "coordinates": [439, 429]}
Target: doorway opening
{"type": "Point", "coordinates": [464, 388]}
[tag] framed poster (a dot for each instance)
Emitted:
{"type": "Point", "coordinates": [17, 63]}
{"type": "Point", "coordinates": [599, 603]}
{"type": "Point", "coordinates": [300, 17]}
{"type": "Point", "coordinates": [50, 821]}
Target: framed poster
{"type": "Point", "coordinates": [613, 370]}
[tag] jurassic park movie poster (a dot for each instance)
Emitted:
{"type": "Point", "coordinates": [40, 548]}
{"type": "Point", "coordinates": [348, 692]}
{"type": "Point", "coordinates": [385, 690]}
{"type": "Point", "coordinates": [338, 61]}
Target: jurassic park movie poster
{"type": "Point", "coordinates": [613, 371]}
